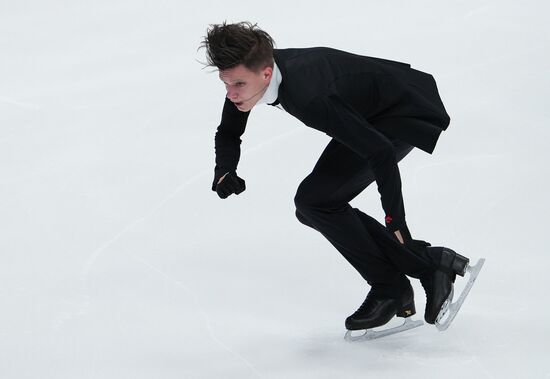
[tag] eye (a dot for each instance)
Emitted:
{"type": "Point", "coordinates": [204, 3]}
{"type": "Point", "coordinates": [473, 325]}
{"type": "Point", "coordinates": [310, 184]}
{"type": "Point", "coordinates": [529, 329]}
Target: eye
{"type": "Point", "coordinates": [240, 84]}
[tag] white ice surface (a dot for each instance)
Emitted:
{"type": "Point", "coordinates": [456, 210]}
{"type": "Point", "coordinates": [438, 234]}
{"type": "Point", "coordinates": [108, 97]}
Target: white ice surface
{"type": "Point", "coordinates": [118, 261]}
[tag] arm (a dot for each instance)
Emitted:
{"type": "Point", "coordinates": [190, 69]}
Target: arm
{"type": "Point", "coordinates": [227, 141]}
{"type": "Point", "coordinates": [340, 121]}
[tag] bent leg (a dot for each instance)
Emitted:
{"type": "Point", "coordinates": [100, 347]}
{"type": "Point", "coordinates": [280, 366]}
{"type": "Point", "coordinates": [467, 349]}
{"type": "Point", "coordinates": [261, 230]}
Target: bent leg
{"type": "Point", "coordinates": [322, 202]}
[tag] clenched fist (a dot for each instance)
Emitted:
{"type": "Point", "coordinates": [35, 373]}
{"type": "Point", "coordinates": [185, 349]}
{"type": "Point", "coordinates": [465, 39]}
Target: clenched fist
{"type": "Point", "coordinates": [228, 184]}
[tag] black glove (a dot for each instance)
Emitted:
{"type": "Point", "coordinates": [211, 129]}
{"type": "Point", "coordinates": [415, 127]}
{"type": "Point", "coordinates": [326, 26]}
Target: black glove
{"type": "Point", "coordinates": [231, 183]}
{"type": "Point", "coordinates": [415, 245]}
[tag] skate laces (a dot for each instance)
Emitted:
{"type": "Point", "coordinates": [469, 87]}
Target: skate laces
{"type": "Point", "coordinates": [372, 294]}
{"type": "Point", "coordinates": [364, 304]}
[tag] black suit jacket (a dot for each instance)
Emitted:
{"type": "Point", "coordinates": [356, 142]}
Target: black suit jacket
{"type": "Point", "coordinates": [362, 102]}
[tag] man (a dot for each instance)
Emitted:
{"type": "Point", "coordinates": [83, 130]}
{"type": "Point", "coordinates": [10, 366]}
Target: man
{"type": "Point", "coordinates": [376, 112]}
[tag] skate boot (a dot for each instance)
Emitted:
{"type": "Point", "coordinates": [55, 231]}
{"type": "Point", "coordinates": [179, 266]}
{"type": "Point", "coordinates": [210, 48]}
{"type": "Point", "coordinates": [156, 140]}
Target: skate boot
{"type": "Point", "coordinates": [377, 310]}
{"type": "Point", "coordinates": [439, 285]}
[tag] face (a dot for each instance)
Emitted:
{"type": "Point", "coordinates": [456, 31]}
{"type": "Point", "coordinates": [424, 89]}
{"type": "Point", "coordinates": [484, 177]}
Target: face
{"type": "Point", "coordinates": [245, 87]}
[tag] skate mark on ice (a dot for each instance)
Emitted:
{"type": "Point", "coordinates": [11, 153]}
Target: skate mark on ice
{"type": "Point", "coordinates": [65, 316]}
{"type": "Point", "coordinates": [272, 140]}
{"type": "Point", "coordinates": [202, 311]}
{"type": "Point", "coordinates": [21, 104]}
{"type": "Point", "coordinates": [95, 255]}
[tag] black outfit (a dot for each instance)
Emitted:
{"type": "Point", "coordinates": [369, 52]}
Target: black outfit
{"type": "Point", "coordinates": [376, 111]}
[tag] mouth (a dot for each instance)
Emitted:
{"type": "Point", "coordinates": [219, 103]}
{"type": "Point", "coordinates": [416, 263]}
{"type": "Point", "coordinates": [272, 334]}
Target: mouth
{"type": "Point", "coordinates": [239, 104]}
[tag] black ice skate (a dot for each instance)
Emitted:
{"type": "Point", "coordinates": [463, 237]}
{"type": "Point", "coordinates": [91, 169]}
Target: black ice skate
{"type": "Point", "coordinates": [439, 286]}
{"type": "Point", "coordinates": [377, 310]}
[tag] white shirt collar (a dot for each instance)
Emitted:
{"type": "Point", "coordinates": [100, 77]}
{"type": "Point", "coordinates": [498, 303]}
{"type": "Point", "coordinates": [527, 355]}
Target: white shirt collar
{"type": "Point", "coordinates": [272, 92]}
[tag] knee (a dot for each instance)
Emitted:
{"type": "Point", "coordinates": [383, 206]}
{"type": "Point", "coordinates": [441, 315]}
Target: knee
{"type": "Point", "coordinates": [301, 217]}
{"type": "Point", "coordinates": [300, 207]}
{"type": "Point", "coordinates": [303, 198]}
{"type": "Point", "coordinates": [312, 197]}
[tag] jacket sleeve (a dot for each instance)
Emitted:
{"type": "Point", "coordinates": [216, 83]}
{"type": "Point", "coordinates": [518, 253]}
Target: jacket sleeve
{"type": "Point", "coordinates": [227, 140]}
{"type": "Point", "coordinates": [340, 121]}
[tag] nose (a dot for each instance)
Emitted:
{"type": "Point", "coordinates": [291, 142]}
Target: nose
{"type": "Point", "coordinates": [232, 95]}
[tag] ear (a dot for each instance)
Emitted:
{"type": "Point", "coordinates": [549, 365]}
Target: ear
{"type": "Point", "coordinates": [267, 72]}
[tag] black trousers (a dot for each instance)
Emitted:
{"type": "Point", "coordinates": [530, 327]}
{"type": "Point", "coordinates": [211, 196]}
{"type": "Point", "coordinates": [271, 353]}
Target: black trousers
{"type": "Point", "coordinates": [322, 203]}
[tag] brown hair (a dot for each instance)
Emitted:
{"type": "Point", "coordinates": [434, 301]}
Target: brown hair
{"type": "Point", "coordinates": [228, 45]}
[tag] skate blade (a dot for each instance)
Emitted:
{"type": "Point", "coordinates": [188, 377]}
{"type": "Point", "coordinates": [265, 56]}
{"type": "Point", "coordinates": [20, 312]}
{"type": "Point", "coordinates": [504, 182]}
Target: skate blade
{"type": "Point", "coordinates": [374, 334]}
{"type": "Point", "coordinates": [445, 307]}
{"type": "Point", "coordinates": [446, 316]}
